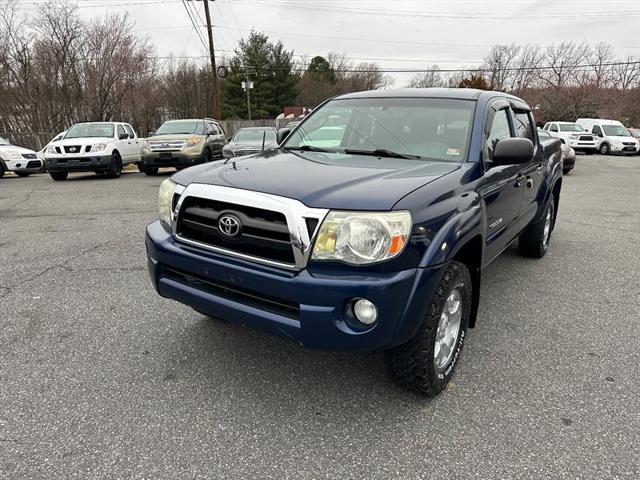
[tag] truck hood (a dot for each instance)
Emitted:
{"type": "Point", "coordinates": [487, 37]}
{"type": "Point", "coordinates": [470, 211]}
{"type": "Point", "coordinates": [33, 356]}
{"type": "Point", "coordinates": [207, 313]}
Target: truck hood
{"type": "Point", "coordinates": [175, 136]}
{"type": "Point", "coordinates": [319, 180]}
{"type": "Point", "coordinates": [82, 141]}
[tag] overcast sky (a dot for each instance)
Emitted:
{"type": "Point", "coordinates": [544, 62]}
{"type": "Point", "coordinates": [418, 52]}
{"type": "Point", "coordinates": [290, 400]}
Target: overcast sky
{"type": "Point", "coordinates": [398, 34]}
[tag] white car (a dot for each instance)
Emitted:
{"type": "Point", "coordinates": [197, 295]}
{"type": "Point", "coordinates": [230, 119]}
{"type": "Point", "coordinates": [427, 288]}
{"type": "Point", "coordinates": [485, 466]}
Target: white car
{"type": "Point", "coordinates": [612, 135]}
{"type": "Point", "coordinates": [20, 160]}
{"type": "Point", "coordinates": [573, 135]}
{"type": "Point", "coordinates": [101, 147]}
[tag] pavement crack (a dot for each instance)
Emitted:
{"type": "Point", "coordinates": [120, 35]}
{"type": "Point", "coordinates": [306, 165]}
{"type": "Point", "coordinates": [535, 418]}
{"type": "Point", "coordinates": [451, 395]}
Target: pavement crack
{"type": "Point", "coordinates": [62, 265]}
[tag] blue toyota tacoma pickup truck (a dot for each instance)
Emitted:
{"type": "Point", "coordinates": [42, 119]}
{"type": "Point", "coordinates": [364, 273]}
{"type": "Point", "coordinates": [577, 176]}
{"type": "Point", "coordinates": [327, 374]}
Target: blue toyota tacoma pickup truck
{"type": "Point", "coordinates": [367, 228]}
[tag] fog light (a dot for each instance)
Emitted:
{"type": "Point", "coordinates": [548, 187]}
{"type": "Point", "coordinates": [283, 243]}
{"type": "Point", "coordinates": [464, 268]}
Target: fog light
{"type": "Point", "coordinates": [365, 311]}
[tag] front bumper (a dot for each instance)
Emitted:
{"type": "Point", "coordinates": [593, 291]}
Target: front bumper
{"type": "Point", "coordinates": [170, 159]}
{"type": "Point", "coordinates": [23, 165]}
{"type": "Point", "coordinates": [78, 164]}
{"type": "Point", "coordinates": [624, 149]}
{"type": "Point", "coordinates": [306, 306]}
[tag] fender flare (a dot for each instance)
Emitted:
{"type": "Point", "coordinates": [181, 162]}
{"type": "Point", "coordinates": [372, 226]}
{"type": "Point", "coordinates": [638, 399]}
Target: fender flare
{"type": "Point", "coordinates": [453, 235]}
{"type": "Point", "coordinates": [463, 237]}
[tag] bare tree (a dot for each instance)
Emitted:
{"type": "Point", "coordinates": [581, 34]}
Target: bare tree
{"type": "Point", "coordinates": [429, 78]}
{"type": "Point", "coordinates": [499, 63]}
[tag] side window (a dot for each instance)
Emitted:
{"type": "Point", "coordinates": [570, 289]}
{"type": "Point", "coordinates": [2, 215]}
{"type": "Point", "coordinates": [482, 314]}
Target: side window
{"type": "Point", "coordinates": [211, 128]}
{"type": "Point", "coordinates": [554, 128]}
{"type": "Point", "coordinates": [524, 127]}
{"type": "Point", "coordinates": [499, 130]}
{"type": "Point", "coordinates": [597, 130]}
{"type": "Point", "coordinates": [129, 130]}
{"type": "Point", "coordinates": [221, 130]}
{"type": "Point", "coordinates": [120, 131]}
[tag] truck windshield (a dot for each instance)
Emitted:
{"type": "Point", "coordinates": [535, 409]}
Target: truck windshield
{"type": "Point", "coordinates": [90, 130]}
{"type": "Point", "coordinates": [194, 127]}
{"type": "Point", "coordinates": [416, 128]}
{"type": "Point", "coordinates": [571, 127]}
{"type": "Point", "coordinates": [615, 131]}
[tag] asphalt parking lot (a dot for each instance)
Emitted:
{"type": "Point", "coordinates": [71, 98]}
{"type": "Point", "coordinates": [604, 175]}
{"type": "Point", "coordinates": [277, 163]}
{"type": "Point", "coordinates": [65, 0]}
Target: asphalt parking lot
{"type": "Point", "coordinates": [102, 378]}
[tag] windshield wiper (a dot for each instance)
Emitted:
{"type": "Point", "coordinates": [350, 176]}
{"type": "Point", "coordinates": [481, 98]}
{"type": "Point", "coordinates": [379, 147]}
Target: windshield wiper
{"type": "Point", "coordinates": [309, 148]}
{"type": "Point", "coordinates": [382, 152]}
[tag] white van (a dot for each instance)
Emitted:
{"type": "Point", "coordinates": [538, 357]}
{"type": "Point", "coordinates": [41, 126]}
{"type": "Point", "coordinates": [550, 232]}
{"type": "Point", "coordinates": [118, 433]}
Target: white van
{"type": "Point", "coordinates": [613, 136]}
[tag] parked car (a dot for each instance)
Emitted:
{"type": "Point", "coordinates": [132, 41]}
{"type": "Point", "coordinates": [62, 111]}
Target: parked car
{"type": "Point", "coordinates": [22, 161]}
{"type": "Point", "coordinates": [635, 133]}
{"type": "Point", "coordinates": [101, 147]}
{"type": "Point", "coordinates": [568, 153]}
{"type": "Point", "coordinates": [54, 139]}
{"type": "Point", "coordinates": [613, 136]}
{"type": "Point", "coordinates": [574, 136]}
{"type": "Point", "coordinates": [182, 143]}
{"type": "Point", "coordinates": [250, 140]}
{"type": "Point", "coordinates": [376, 243]}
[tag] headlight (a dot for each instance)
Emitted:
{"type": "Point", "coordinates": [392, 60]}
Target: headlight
{"type": "Point", "coordinates": [51, 149]}
{"type": "Point", "coordinates": [360, 238]}
{"type": "Point", "coordinates": [11, 155]}
{"type": "Point", "coordinates": [165, 197]}
{"type": "Point", "coordinates": [192, 142]}
{"type": "Point", "coordinates": [99, 147]}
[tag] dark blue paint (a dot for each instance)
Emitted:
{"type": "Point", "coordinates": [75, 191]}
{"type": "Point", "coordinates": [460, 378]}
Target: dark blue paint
{"type": "Point", "coordinates": [452, 206]}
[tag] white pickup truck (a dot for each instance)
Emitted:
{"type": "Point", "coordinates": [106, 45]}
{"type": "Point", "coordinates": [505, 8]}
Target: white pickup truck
{"type": "Point", "coordinates": [573, 135]}
{"type": "Point", "coordinates": [101, 147]}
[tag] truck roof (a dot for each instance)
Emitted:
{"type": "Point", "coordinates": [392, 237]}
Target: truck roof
{"type": "Point", "coordinates": [435, 92]}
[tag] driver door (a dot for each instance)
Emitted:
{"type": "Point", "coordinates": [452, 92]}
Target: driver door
{"type": "Point", "coordinates": [501, 186]}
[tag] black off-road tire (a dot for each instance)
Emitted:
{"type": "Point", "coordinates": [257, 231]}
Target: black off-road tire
{"type": "Point", "coordinates": [151, 171]}
{"type": "Point", "coordinates": [1, 170]}
{"type": "Point", "coordinates": [532, 241]}
{"type": "Point", "coordinates": [565, 171]}
{"type": "Point", "coordinates": [59, 176]}
{"type": "Point", "coordinates": [115, 169]}
{"type": "Point", "coordinates": [23, 174]}
{"type": "Point", "coordinates": [412, 364]}
{"type": "Point", "coordinates": [604, 149]}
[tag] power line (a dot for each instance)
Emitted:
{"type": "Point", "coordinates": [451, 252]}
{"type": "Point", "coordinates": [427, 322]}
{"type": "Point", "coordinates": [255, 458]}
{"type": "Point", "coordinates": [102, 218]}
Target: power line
{"type": "Point", "coordinates": [184, 3]}
{"type": "Point", "coordinates": [412, 14]}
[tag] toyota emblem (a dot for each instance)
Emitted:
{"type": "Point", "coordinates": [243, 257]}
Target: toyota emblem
{"type": "Point", "coordinates": [229, 226]}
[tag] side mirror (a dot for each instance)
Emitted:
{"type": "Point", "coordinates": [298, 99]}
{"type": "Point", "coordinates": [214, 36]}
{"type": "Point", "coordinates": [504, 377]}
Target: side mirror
{"type": "Point", "coordinates": [123, 136]}
{"type": "Point", "coordinates": [513, 151]}
{"type": "Point", "coordinates": [151, 133]}
{"type": "Point", "coordinates": [282, 134]}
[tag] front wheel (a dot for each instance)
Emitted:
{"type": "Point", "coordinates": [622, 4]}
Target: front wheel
{"type": "Point", "coordinates": [59, 176]}
{"type": "Point", "coordinates": [426, 363]}
{"type": "Point", "coordinates": [565, 171]}
{"type": "Point", "coordinates": [115, 169]}
{"type": "Point", "coordinates": [534, 241]}
{"type": "Point", "coordinates": [207, 156]}
{"type": "Point", "coordinates": [604, 149]}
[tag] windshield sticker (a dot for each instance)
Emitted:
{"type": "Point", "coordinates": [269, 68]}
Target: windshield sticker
{"type": "Point", "coordinates": [453, 151]}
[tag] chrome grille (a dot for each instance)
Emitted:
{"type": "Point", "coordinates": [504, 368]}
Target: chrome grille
{"type": "Point", "coordinates": [167, 146]}
{"type": "Point", "coordinates": [275, 231]}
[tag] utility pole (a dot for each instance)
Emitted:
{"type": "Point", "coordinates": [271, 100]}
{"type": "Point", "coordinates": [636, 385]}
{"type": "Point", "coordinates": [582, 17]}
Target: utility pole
{"type": "Point", "coordinates": [247, 85]}
{"type": "Point", "coordinates": [216, 97]}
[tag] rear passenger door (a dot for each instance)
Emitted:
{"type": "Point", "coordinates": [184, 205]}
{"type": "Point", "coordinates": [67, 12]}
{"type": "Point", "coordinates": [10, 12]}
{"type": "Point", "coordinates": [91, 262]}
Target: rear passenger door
{"type": "Point", "coordinates": [500, 188]}
{"type": "Point", "coordinates": [134, 143]}
{"type": "Point", "coordinates": [531, 174]}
